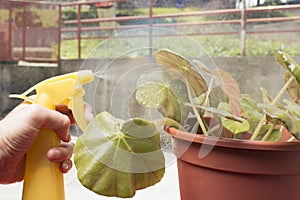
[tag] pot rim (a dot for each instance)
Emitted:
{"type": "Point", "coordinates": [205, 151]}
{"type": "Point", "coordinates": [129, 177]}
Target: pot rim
{"type": "Point", "coordinates": [293, 145]}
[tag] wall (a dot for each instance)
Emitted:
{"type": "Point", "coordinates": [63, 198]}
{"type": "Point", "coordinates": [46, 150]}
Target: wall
{"type": "Point", "coordinates": [250, 73]}
{"type": "Point", "coordinates": [17, 79]}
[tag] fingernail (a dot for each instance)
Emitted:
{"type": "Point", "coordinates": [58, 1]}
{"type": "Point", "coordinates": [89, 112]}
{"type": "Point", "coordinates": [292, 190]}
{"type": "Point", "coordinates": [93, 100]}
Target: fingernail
{"type": "Point", "coordinates": [66, 165]}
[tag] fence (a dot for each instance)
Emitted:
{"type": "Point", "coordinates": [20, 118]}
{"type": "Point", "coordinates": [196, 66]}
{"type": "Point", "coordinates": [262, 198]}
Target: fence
{"type": "Point", "coordinates": [243, 22]}
{"type": "Point", "coordinates": [29, 31]}
{"type": "Point", "coordinates": [42, 42]}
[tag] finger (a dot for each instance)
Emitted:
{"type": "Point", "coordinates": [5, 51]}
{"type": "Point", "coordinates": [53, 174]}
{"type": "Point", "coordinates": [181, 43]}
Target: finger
{"type": "Point", "coordinates": [61, 153]}
{"type": "Point", "coordinates": [49, 119]}
{"type": "Point", "coordinates": [65, 166]}
{"type": "Point", "coordinates": [66, 111]}
{"type": "Point", "coordinates": [88, 112]}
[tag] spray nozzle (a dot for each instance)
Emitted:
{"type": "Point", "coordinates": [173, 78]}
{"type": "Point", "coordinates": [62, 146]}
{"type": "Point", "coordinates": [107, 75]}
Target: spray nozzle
{"type": "Point", "coordinates": [64, 89]}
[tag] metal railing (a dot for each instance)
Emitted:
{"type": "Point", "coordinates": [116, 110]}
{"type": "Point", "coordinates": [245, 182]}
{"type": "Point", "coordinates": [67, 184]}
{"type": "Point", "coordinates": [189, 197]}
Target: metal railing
{"type": "Point", "coordinates": [79, 25]}
{"type": "Point", "coordinates": [243, 22]}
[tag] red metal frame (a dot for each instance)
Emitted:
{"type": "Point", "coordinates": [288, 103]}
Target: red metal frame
{"type": "Point", "coordinates": [150, 17]}
{"type": "Point", "coordinates": [10, 31]}
{"type": "Point", "coordinates": [59, 33]}
{"type": "Point", "coordinates": [243, 21]}
{"type": "Point", "coordinates": [11, 26]}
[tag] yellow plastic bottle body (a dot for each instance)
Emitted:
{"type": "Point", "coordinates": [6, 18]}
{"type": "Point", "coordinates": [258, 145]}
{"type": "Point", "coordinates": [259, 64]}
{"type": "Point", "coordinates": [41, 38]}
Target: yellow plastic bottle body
{"type": "Point", "coordinates": [43, 179]}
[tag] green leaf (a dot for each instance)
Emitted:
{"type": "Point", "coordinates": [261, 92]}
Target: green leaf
{"type": "Point", "coordinates": [115, 157]}
{"type": "Point", "coordinates": [274, 136]}
{"type": "Point", "coordinates": [200, 99]}
{"type": "Point", "coordinates": [293, 88]}
{"type": "Point", "coordinates": [254, 113]}
{"type": "Point", "coordinates": [219, 112]}
{"type": "Point", "coordinates": [172, 60]}
{"type": "Point", "coordinates": [293, 108]}
{"type": "Point", "coordinates": [265, 95]}
{"type": "Point", "coordinates": [157, 91]}
{"type": "Point", "coordinates": [288, 63]}
{"type": "Point", "coordinates": [292, 124]}
{"type": "Point", "coordinates": [234, 124]}
{"type": "Point", "coordinates": [236, 127]}
{"type": "Point", "coordinates": [231, 122]}
{"type": "Point", "coordinates": [274, 112]}
{"type": "Point", "coordinates": [217, 95]}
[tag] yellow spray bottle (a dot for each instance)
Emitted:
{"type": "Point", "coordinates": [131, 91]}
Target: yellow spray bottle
{"type": "Point", "coordinates": [43, 179]}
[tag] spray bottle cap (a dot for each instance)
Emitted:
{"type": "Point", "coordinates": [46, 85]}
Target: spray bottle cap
{"type": "Point", "coordinates": [64, 89]}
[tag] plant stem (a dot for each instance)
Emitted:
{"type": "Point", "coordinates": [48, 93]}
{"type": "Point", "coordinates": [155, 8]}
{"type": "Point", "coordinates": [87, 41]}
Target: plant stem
{"type": "Point", "coordinates": [167, 122]}
{"type": "Point", "coordinates": [266, 136]}
{"type": "Point", "coordinates": [258, 128]}
{"type": "Point", "coordinates": [213, 129]}
{"type": "Point", "coordinates": [275, 100]}
{"type": "Point", "coordinates": [126, 144]}
{"type": "Point", "coordinates": [281, 92]}
{"type": "Point", "coordinates": [201, 123]}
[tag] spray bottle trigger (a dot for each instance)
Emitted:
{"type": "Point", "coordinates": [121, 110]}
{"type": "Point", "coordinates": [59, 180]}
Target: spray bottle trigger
{"type": "Point", "coordinates": [76, 103]}
{"type": "Point", "coordinates": [77, 106]}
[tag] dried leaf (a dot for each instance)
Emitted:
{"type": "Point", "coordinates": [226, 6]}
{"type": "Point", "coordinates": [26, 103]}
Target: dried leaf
{"type": "Point", "coordinates": [177, 62]}
{"type": "Point", "coordinates": [231, 89]}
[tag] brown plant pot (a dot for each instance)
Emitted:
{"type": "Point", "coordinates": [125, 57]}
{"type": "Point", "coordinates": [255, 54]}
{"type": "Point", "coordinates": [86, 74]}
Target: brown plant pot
{"type": "Point", "coordinates": [228, 169]}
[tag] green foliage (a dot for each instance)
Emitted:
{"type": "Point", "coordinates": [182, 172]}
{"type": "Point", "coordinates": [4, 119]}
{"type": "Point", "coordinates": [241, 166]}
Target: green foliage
{"type": "Point", "coordinates": [242, 113]}
{"type": "Point", "coordinates": [262, 47]}
{"type": "Point", "coordinates": [251, 15]}
{"type": "Point", "coordinates": [215, 46]}
{"type": "Point", "coordinates": [4, 15]}
{"type": "Point", "coordinates": [236, 126]}
{"type": "Point", "coordinates": [155, 10]}
{"type": "Point", "coordinates": [116, 157]}
{"type": "Point", "coordinates": [222, 46]}
{"type": "Point", "coordinates": [71, 14]}
{"type": "Point", "coordinates": [69, 48]}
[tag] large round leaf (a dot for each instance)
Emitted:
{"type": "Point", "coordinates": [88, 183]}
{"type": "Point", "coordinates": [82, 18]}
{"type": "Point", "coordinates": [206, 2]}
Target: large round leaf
{"type": "Point", "coordinates": [115, 157]}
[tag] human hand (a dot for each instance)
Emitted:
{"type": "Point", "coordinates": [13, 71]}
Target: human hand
{"type": "Point", "coordinates": [18, 131]}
